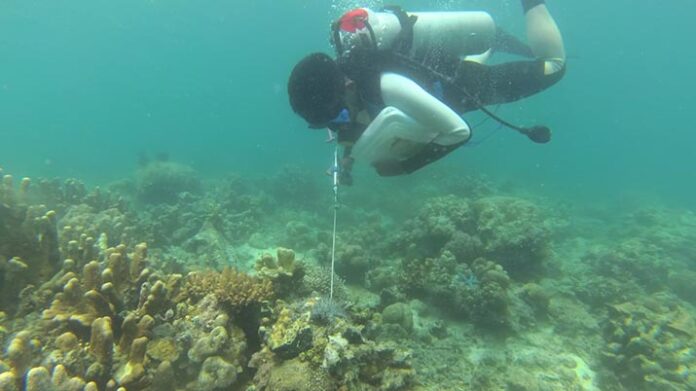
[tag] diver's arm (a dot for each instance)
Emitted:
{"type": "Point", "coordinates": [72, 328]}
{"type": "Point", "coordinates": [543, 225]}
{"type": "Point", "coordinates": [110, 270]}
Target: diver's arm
{"type": "Point", "coordinates": [444, 130]}
{"type": "Point", "coordinates": [407, 96]}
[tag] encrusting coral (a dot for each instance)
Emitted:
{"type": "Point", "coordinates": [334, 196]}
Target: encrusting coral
{"type": "Point", "coordinates": [649, 344]}
{"type": "Point", "coordinates": [231, 287]}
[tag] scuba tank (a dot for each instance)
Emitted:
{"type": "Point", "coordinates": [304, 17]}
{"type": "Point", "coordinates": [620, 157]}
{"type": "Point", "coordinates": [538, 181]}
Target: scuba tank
{"type": "Point", "coordinates": [456, 33]}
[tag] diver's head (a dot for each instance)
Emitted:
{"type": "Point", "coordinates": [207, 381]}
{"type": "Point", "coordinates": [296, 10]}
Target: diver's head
{"type": "Point", "coordinates": [316, 88]}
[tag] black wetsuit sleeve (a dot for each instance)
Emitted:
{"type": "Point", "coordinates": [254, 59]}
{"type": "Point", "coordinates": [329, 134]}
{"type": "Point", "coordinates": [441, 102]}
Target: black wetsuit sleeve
{"type": "Point", "coordinates": [480, 85]}
{"type": "Point", "coordinates": [430, 153]}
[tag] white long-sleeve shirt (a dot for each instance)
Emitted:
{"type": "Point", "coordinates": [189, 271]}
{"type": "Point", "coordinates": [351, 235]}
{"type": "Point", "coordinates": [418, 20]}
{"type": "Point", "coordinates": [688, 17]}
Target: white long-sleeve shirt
{"type": "Point", "coordinates": [411, 119]}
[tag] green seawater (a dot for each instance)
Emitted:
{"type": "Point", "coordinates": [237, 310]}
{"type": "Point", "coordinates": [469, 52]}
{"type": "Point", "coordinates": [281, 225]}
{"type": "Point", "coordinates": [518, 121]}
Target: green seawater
{"type": "Point", "coordinates": [85, 86]}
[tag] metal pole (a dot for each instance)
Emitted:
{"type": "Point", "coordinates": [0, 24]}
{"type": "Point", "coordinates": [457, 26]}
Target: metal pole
{"type": "Point", "coordinates": [333, 244]}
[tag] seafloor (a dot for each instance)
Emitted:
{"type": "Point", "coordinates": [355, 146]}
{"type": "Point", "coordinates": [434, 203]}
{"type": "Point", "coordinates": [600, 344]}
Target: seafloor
{"type": "Point", "coordinates": [165, 281]}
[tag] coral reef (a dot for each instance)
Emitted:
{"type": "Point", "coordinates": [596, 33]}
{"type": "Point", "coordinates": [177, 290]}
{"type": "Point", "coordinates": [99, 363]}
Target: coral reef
{"type": "Point", "coordinates": [29, 249]}
{"type": "Point", "coordinates": [506, 230]}
{"type": "Point", "coordinates": [513, 234]}
{"type": "Point", "coordinates": [283, 271]}
{"type": "Point", "coordinates": [474, 290]}
{"type": "Point", "coordinates": [294, 187]}
{"type": "Point", "coordinates": [232, 288]}
{"type": "Point", "coordinates": [327, 311]}
{"type": "Point", "coordinates": [649, 344]}
{"type": "Point", "coordinates": [318, 279]}
{"type": "Point", "coordinates": [164, 182]}
{"type": "Point", "coordinates": [352, 262]}
{"type": "Point", "coordinates": [333, 356]}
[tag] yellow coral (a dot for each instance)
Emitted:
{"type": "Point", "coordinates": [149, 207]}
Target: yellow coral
{"type": "Point", "coordinates": [230, 286]}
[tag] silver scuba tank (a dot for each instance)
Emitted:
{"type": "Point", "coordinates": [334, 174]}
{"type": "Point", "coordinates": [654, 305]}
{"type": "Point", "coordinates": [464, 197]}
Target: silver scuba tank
{"type": "Point", "coordinates": [459, 34]}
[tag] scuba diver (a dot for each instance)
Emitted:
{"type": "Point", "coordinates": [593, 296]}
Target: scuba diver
{"type": "Point", "coordinates": [394, 95]}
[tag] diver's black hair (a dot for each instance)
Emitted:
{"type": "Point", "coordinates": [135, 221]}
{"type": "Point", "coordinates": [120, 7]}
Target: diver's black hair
{"type": "Point", "coordinates": [316, 87]}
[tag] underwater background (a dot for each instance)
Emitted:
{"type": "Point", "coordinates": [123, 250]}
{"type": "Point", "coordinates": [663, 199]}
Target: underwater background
{"type": "Point", "coordinates": [505, 266]}
{"type": "Point", "coordinates": [205, 82]}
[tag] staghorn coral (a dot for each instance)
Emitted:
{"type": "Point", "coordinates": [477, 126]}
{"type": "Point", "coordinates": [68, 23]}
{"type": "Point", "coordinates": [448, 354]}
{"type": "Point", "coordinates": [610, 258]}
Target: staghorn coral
{"type": "Point", "coordinates": [231, 287]}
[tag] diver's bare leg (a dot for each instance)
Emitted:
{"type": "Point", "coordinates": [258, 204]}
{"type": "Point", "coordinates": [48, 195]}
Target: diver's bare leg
{"type": "Point", "coordinates": [544, 36]}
